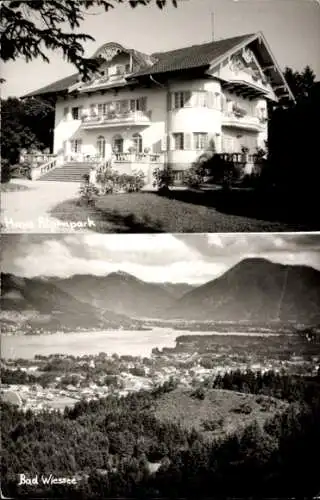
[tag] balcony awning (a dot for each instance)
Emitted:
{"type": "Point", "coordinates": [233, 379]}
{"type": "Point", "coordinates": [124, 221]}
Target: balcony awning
{"type": "Point", "coordinates": [245, 89]}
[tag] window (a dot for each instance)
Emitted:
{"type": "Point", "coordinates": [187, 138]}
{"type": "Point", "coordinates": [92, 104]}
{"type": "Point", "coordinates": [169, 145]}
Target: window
{"type": "Point", "coordinates": [262, 113]}
{"type": "Point", "coordinates": [138, 104]}
{"type": "Point", "coordinates": [181, 99]}
{"type": "Point", "coordinates": [200, 140]}
{"type": "Point", "coordinates": [199, 99]}
{"type": "Point", "coordinates": [127, 68]}
{"type": "Point", "coordinates": [120, 69]}
{"type": "Point", "coordinates": [76, 145]}
{"type": "Point", "coordinates": [117, 144]}
{"type": "Point", "coordinates": [178, 176]}
{"type": "Point", "coordinates": [100, 109]}
{"type": "Point", "coordinates": [137, 142]}
{"type": "Point", "coordinates": [75, 113]}
{"type": "Point", "coordinates": [93, 110]}
{"type": "Point", "coordinates": [178, 141]}
{"type": "Point", "coordinates": [65, 113]}
{"type": "Point", "coordinates": [101, 146]}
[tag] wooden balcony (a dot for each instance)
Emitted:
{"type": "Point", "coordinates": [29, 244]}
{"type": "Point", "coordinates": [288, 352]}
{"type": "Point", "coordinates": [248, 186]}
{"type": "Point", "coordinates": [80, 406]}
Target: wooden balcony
{"type": "Point", "coordinates": [116, 119]}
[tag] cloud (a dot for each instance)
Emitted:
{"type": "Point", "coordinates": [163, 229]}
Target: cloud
{"type": "Point", "coordinates": [192, 258]}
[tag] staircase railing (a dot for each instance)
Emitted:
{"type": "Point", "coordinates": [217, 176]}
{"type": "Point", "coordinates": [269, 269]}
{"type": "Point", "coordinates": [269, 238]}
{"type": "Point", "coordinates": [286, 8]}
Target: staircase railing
{"type": "Point", "coordinates": [38, 170]}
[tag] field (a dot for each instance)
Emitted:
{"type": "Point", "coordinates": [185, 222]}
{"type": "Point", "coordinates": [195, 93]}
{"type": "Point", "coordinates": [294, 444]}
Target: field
{"type": "Point", "coordinates": [227, 411]}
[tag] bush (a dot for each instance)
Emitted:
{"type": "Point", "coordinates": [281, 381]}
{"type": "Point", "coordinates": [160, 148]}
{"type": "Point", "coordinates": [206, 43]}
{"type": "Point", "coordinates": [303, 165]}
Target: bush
{"type": "Point", "coordinates": [21, 170]}
{"type": "Point", "coordinates": [197, 173]}
{"type": "Point", "coordinates": [111, 181]}
{"type": "Point", "coordinates": [245, 409]}
{"type": "Point", "coordinates": [194, 176]}
{"type": "Point", "coordinates": [223, 171]}
{"type": "Point", "coordinates": [5, 171]}
{"type": "Point", "coordinates": [199, 394]}
{"type": "Point", "coordinates": [88, 193]}
{"type": "Point", "coordinates": [212, 425]}
{"type": "Point", "coordinates": [163, 178]}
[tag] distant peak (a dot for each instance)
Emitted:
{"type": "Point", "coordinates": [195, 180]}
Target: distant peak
{"type": "Point", "coordinates": [123, 275]}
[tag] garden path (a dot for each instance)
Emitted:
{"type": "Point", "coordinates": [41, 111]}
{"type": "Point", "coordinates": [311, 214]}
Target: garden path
{"type": "Point", "coordinates": [28, 210]}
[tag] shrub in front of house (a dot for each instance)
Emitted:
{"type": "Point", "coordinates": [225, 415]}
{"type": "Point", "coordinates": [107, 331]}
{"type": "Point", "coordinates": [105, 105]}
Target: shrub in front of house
{"type": "Point", "coordinates": [5, 171]}
{"type": "Point", "coordinates": [113, 182]}
{"type": "Point", "coordinates": [163, 178]}
{"type": "Point", "coordinates": [19, 170]}
{"type": "Point", "coordinates": [88, 192]}
{"type": "Point", "coordinates": [199, 172]}
{"type": "Point", "coordinates": [195, 176]}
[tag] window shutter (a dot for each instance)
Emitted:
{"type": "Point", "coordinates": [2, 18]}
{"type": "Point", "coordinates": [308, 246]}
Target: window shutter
{"type": "Point", "coordinates": [187, 141]}
{"type": "Point", "coordinates": [210, 100]}
{"type": "Point", "coordinates": [169, 101]}
{"type": "Point", "coordinates": [164, 143]}
{"type": "Point", "coordinates": [169, 142]}
{"type": "Point", "coordinates": [187, 98]}
{"type": "Point", "coordinates": [218, 100]}
{"type": "Point", "coordinates": [143, 103]}
{"type": "Point", "coordinates": [211, 140]}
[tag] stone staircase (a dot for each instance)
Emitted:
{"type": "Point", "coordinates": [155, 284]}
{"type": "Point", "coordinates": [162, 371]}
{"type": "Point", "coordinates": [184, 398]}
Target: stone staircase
{"type": "Point", "coordinates": [69, 172]}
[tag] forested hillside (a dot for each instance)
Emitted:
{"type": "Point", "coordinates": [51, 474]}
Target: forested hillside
{"type": "Point", "coordinates": [117, 447]}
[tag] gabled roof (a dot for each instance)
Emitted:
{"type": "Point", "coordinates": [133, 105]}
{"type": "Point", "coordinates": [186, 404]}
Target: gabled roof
{"type": "Point", "coordinates": [57, 86]}
{"type": "Point", "coordinates": [194, 56]}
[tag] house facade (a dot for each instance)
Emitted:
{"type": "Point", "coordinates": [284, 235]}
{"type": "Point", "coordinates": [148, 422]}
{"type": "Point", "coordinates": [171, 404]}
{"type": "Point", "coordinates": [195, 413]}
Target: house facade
{"type": "Point", "coordinates": [143, 111]}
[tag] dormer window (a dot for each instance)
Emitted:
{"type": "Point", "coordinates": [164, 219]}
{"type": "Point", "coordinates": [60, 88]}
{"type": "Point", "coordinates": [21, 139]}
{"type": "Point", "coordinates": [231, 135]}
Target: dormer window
{"type": "Point", "coordinates": [120, 69]}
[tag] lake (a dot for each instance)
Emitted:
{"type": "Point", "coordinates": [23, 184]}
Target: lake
{"type": "Point", "coordinates": [134, 343]}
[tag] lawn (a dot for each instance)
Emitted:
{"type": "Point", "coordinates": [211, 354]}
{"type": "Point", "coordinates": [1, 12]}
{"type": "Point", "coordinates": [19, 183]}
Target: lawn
{"type": "Point", "coordinates": [180, 406]}
{"type": "Point", "coordinates": [182, 212]}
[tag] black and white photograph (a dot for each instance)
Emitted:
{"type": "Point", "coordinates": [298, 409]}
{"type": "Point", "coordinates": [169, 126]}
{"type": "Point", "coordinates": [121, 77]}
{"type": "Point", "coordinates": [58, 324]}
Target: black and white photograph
{"type": "Point", "coordinates": [160, 116]}
{"type": "Point", "coordinates": [160, 249]}
{"type": "Point", "coordinates": [160, 366]}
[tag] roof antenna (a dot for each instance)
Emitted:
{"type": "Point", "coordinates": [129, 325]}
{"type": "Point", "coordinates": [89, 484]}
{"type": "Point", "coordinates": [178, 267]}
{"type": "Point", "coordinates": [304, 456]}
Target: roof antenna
{"type": "Point", "coordinates": [212, 26]}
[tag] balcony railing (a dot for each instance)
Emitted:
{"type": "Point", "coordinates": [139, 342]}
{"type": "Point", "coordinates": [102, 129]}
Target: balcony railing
{"type": "Point", "coordinates": [117, 118]}
{"type": "Point", "coordinates": [136, 158]}
{"type": "Point", "coordinates": [249, 122]}
{"type": "Point", "coordinates": [240, 157]}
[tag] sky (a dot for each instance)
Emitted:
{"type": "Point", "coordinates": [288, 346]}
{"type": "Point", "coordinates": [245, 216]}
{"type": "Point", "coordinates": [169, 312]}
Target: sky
{"type": "Point", "coordinates": [185, 258]}
{"type": "Point", "coordinates": [292, 29]}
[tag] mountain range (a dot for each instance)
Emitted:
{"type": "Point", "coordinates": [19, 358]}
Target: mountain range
{"type": "Point", "coordinates": [254, 290]}
{"type": "Point", "coordinates": [39, 302]}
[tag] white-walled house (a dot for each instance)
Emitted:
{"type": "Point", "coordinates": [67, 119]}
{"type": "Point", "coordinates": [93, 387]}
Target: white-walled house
{"type": "Point", "coordinates": [142, 111]}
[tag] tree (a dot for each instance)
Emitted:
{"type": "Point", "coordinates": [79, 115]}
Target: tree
{"type": "Point", "coordinates": [292, 163]}
{"type": "Point", "coordinates": [301, 84]}
{"type": "Point", "coordinates": [25, 124]}
{"type": "Point", "coordinates": [28, 28]}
